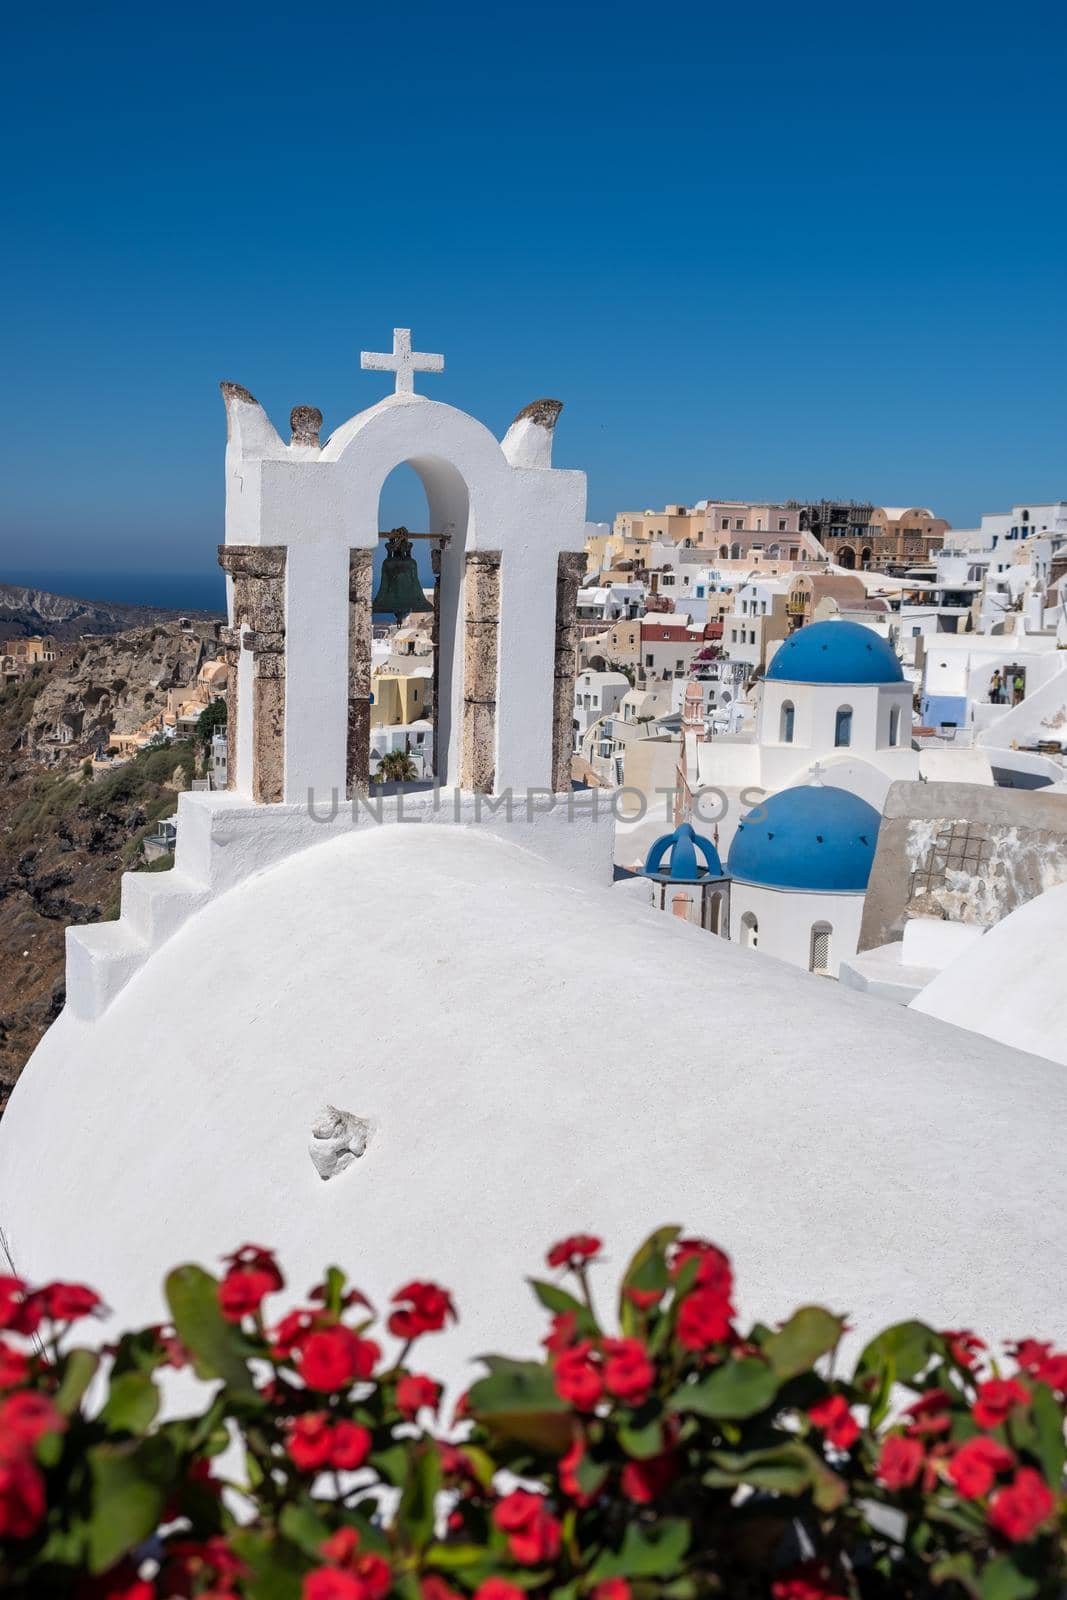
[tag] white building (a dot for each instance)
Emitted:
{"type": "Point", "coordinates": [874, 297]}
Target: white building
{"type": "Point", "coordinates": [433, 983]}
{"type": "Point", "coordinates": [596, 695]}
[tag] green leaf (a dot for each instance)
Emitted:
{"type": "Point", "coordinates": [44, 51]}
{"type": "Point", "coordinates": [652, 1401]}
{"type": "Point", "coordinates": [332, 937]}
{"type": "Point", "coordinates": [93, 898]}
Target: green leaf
{"type": "Point", "coordinates": [647, 1552]}
{"type": "Point", "coordinates": [518, 1400]}
{"type": "Point", "coordinates": [218, 1347]}
{"type": "Point", "coordinates": [553, 1298]}
{"type": "Point", "coordinates": [910, 1346]}
{"type": "Point", "coordinates": [1048, 1432]}
{"type": "Point", "coordinates": [131, 1485]}
{"type": "Point", "coordinates": [957, 1568]}
{"type": "Point", "coordinates": [648, 1271]}
{"type": "Point", "coordinates": [454, 1557]}
{"type": "Point", "coordinates": [278, 1568]}
{"type": "Point", "coordinates": [132, 1403]}
{"type": "Point", "coordinates": [79, 1369]}
{"type": "Point", "coordinates": [789, 1469]}
{"type": "Point", "coordinates": [335, 1282]}
{"type": "Point", "coordinates": [736, 1389]}
{"type": "Point", "coordinates": [303, 1526]}
{"type": "Point", "coordinates": [644, 1442]}
{"type": "Point", "coordinates": [415, 1516]}
{"type": "Point", "coordinates": [785, 1469]}
{"type": "Point", "coordinates": [810, 1333]}
{"type": "Point", "coordinates": [1002, 1580]}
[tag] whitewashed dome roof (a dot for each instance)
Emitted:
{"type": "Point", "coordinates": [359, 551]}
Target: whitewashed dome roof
{"type": "Point", "coordinates": [534, 1057]}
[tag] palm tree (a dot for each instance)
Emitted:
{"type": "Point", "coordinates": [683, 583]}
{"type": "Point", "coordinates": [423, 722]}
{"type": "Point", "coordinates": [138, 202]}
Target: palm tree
{"type": "Point", "coordinates": [396, 767]}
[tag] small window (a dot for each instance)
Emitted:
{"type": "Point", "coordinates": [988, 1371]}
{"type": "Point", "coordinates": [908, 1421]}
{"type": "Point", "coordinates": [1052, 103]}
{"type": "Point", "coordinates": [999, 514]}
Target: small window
{"type": "Point", "coordinates": [843, 727]}
{"type": "Point", "coordinates": [820, 948]}
{"type": "Point", "coordinates": [894, 726]}
{"type": "Point", "coordinates": [750, 930]}
{"type": "Point", "coordinates": [787, 721]}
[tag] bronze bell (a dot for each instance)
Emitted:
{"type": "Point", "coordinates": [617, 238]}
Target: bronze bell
{"type": "Point", "coordinates": [399, 589]}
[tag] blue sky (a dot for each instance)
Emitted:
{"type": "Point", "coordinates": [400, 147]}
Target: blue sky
{"type": "Point", "coordinates": [757, 251]}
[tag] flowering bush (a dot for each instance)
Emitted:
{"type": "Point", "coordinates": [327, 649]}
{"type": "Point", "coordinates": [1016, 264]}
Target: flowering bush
{"type": "Point", "coordinates": [672, 1456]}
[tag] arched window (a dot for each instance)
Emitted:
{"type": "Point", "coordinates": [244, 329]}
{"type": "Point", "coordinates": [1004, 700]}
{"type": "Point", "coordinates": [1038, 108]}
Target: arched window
{"type": "Point", "coordinates": [735, 552]}
{"type": "Point", "coordinates": [894, 726]}
{"type": "Point", "coordinates": [785, 728]}
{"type": "Point", "coordinates": [819, 960]}
{"type": "Point", "coordinates": [843, 727]}
{"type": "Point", "coordinates": [750, 930]}
{"type": "Point", "coordinates": [714, 911]}
{"type": "Point", "coordinates": [724, 552]}
{"type": "Point", "coordinates": [865, 559]}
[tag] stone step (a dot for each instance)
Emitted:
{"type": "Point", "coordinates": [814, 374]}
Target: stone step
{"type": "Point", "coordinates": [102, 957]}
{"type": "Point", "coordinates": [156, 904]}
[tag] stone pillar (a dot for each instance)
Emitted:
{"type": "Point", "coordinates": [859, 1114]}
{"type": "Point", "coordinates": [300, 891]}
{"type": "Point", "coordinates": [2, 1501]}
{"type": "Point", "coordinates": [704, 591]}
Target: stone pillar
{"type": "Point", "coordinates": [258, 573]}
{"type": "Point", "coordinates": [360, 571]}
{"type": "Point", "coordinates": [570, 570]}
{"type": "Point", "coordinates": [436, 552]}
{"type": "Point", "coordinates": [481, 635]}
{"type": "Point", "coordinates": [230, 638]}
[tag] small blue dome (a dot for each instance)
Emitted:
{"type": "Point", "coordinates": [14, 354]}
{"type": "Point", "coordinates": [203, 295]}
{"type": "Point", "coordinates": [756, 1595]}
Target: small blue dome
{"type": "Point", "coordinates": [684, 867]}
{"type": "Point", "coordinates": [817, 838]}
{"type": "Point", "coordinates": [835, 652]}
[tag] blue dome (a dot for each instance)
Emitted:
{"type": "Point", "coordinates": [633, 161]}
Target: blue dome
{"type": "Point", "coordinates": [817, 838]}
{"type": "Point", "coordinates": [835, 652]}
{"type": "Point", "coordinates": [683, 845]}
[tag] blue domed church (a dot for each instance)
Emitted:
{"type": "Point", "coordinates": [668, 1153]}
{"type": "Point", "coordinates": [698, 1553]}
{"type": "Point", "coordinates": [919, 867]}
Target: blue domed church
{"type": "Point", "coordinates": [799, 805]}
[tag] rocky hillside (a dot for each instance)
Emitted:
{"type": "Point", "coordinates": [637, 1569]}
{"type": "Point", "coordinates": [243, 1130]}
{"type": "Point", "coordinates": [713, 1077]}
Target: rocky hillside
{"type": "Point", "coordinates": [115, 684]}
{"type": "Point", "coordinates": [66, 838]}
{"type": "Point", "coordinates": [35, 611]}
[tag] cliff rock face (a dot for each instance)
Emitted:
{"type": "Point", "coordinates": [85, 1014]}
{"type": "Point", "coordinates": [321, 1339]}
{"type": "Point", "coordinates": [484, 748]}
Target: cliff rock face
{"type": "Point", "coordinates": [64, 839]}
{"type": "Point", "coordinates": [116, 684]}
{"type": "Point", "coordinates": [36, 611]}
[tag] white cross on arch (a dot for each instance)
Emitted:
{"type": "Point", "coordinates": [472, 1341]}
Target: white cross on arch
{"type": "Point", "coordinates": [404, 361]}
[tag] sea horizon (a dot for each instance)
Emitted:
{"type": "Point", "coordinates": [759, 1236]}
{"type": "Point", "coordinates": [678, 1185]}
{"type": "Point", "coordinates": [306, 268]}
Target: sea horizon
{"type": "Point", "coordinates": [174, 591]}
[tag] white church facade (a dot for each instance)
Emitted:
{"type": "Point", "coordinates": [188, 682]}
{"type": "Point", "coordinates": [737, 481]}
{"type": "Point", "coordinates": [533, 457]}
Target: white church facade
{"type": "Point", "coordinates": [446, 1059]}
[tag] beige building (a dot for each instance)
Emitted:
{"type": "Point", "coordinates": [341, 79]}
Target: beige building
{"type": "Point", "coordinates": [807, 590]}
{"type": "Point", "coordinates": [617, 646]}
{"type": "Point", "coordinates": [399, 698]}
{"type": "Point", "coordinates": [902, 536]}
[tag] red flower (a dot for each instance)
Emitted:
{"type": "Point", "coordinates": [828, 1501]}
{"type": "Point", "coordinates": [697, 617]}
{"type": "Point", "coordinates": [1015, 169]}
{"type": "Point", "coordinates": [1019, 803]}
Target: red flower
{"type": "Point", "coordinates": [340, 1548]}
{"type": "Point", "coordinates": [14, 1366]}
{"type": "Point", "coordinates": [645, 1481]}
{"type": "Point", "coordinates": [703, 1319]}
{"type": "Point", "coordinates": [22, 1502]}
{"type": "Point", "coordinates": [330, 1583]}
{"type": "Point", "coordinates": [1018, 1510]}
{"type": "Point", "coordinates": [564, 1332]}
{"type": "Point", "coordinates": [644, 1300]}
{"type": "Point", "coordinates": [628, 1373]}
{"type": "Point", "coordinates": [714, 1272]}
{"type": "Point", "coordinates": [434, 1587]}
{"type": "Point", "coordinates": [308, 1441]}
{"type": "Point", "coordinates": [415, 1391]}
{"type": "Point", "coordinates": [374, 1576]}
{"type": "Point", "coordinates": [498, 1589]}
{"type": "Point", "coordinates": [578, 1379]}
{"type": "Point", "coordinates": [253, 1274]}
{"type": "Point", "coordinates": [975, 1465]}
{"type": "Point", "coordinates": [612, 1589]}
{"type": "Point", "coordinates": [575, 1251]}
{"type": "Point", "coordinates": [900, 1462]}
{"type": "Point", "coordinates": [533, 1533]}
{"type": "Point", "coordinates": [120, 1583]}
{"type": "Point", "coordinates": [1030, 1353]}
{"type": "Point", "coordinates": [24, 1418]}
{"type": "Point", "coordinates": [350, 1445]}
{"type": "Point", "coordinates": [811, 1581]}
{"type": "Point", "coordinates": [291, 1332]}
{"type": "Point", "coordinates": [1053, 1371]}
{"type": "Point", "coordinates": [66, 1302]}
{"type": "Point", "coordinates": [930, 1414]}
{"type": "Point", "coordinates": [421, 1308]}
{"type": "Point", "coordinates": [964, 1346]}
{"type": "Point", "coordinates": [833, 1417]}
{"type": "Point", "coordinates": [997, 1399]}
{"type": "Point", "coordinates": [12, 1302]}
{"type": "Point", "coordinates": [1040, 1361]}
{"type": "Point", "coordinates": [567, 1472]}
{"type": "Point", "coordinates": [334, 1358]}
